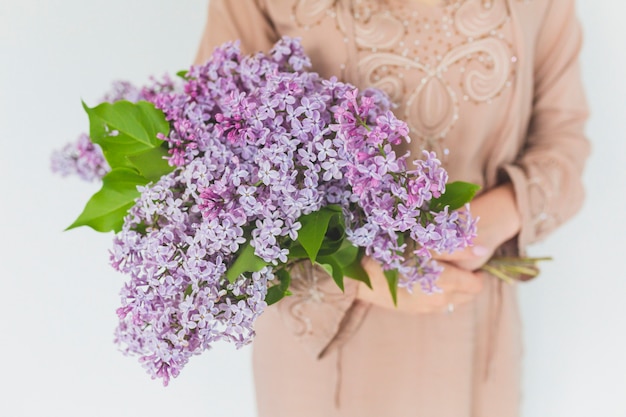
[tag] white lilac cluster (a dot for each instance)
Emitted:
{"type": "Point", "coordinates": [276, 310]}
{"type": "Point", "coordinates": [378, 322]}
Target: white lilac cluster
{"type": "Point", "coordinates": [258, 141]}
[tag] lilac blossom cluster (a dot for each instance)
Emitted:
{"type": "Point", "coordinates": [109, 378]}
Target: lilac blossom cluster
{"type": "Point", "coordinates": [259, 141]}
{"type": "Point", "coordinates": [81, 158]}
{"type": "Point", "coordinates": [178, 301]}
{"type": "Point", "coordinates": [392, 200]}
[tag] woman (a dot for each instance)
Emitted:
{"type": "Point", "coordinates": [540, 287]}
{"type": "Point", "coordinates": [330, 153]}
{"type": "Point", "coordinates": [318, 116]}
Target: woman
{"type": "Point", "coordinates": [492, 86]}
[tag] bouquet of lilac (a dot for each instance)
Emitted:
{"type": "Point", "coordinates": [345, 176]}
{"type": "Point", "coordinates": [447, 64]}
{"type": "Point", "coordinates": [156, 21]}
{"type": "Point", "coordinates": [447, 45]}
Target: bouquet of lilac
{"type": "Point", "coordinates": [216, 185]}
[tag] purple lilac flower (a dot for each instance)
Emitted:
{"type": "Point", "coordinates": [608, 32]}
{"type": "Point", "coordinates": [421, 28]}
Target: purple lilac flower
{"type": "Point", "coordinates": [81, 158]}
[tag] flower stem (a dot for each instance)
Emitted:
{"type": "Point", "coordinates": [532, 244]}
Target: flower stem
{"type": "Point", "coordinates": [511, 269]}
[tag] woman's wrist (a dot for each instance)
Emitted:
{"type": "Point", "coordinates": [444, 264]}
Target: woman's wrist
{"type": "Point", "coordinates": [500, 219]}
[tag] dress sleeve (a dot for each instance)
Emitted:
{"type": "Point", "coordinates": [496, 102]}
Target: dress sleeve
{"type": "Point", "coordinates": [318, 313]}
{"type": "Point", "coordinates": [547, 176]}
{"type": "Point", "coordinates": [231, 20]}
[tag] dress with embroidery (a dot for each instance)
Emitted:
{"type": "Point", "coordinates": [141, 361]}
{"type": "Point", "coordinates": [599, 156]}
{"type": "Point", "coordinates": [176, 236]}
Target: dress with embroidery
{"type": "Point", "coordinates": [493, 87]}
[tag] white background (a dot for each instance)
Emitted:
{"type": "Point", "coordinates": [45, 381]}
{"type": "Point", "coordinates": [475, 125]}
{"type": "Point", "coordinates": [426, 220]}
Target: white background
{"type": "Point", "coordinates": [58, 294]}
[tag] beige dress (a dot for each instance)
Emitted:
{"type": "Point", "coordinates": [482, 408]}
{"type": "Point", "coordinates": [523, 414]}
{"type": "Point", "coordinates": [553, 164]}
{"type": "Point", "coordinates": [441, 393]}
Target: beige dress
{"type": "Point", "coordinates": [494, 87]}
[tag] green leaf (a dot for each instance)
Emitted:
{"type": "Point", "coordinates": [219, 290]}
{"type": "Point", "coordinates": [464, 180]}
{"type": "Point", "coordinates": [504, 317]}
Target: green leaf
{"type": "Point", "coordinates": [334, 236]}
{"type": "Point", "coordinates": [392, 281]}
{"type": "Point", "coordinates": [151, 163]}
{"type": "Point", "coordinates": [246, 261]}
{"type": "Point", "coordinates": [188, 291]}
{"type": "Point", "coordinates": [349, 258]}
{"type": "Point", "coordinates": [296, 251]}
{"type": "Point", "coordinates": [127, 133]}
{"type": "Point", "coordinates": [347, 253]}
{"type": "Point", "coordinates": [457, 194]}
{"type": "Point", "coordinates": [314, 228]}
{"type": "Point", "coordinates": [356, 271]}
{"type": "Point", "coordinates": [106, 209]}
{"type": "Point", "coordinates": [124, 128]}
{"type": "Point", "coordinates": [182, 74]}
{"type": "Point", "coordinates": [277, 292]}
{"type": "Point", "coordinates": [333, 268]}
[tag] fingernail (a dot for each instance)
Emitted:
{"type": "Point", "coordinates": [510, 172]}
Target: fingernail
{"type": "Point", "coordinates": [479, 250]}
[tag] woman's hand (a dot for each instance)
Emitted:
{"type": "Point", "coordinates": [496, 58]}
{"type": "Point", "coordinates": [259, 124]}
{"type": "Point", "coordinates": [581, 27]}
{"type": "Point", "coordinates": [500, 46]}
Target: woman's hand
{"type": "Point", "coordinates": [458, 287]}
{"type": "Point", "coordinates": [499, 222]}
{"type": "Point", "coordinates": [460, 282]}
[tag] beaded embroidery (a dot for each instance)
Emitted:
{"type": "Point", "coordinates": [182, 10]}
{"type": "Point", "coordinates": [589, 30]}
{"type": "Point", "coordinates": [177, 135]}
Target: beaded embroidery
{"type": "Point", "coordinates": [407, 55]}
{"type": "Point", "coordinates": [412, 54]}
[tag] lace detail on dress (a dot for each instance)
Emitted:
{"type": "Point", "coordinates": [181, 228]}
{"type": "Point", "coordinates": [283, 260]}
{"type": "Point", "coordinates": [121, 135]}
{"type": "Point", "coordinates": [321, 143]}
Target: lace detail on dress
{"type": "Point", "coordinates": [431, 62]}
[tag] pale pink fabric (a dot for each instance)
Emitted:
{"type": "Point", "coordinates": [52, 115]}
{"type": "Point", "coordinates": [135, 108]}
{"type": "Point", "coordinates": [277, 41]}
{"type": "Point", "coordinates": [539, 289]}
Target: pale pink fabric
{"type": "Point", "coordinates": [496, 84]}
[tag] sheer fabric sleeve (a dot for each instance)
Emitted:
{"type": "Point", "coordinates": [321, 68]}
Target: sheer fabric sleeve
{"type": "Point", "coordinates": [230, 20]}
{"type": "Point", "coordinates": [318, 313]}
{"type": "Point", "coordinates": [547, 176]}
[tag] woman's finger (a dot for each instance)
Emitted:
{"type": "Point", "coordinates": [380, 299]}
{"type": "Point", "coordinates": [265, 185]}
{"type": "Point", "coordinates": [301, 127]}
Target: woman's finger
{"type": "Point", "coordinates": [455, 280]}
{"type": "Point", "coordinates": [471, 252]}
